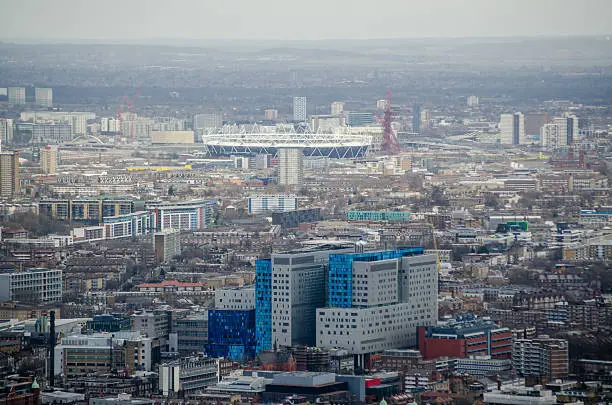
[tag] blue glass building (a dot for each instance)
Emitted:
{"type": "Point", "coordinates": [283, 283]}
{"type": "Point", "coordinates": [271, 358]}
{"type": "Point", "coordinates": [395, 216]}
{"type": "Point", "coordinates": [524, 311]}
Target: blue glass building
{"type": "Point", "coordinates": [340, 282]}
{"type": "Point", "coordinates": [263, 304]}
{"type": "Point", "coordinates": [231, 334]}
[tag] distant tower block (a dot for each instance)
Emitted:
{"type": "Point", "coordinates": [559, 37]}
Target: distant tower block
{"type": "Point", "coordinates": [291, 170]}
{"type": "Point", "coordinates": [43, 96]}
{"type": "Point", "coordinates": [299, 109]}
{"type": "Point", "coordinates": [337, 108]}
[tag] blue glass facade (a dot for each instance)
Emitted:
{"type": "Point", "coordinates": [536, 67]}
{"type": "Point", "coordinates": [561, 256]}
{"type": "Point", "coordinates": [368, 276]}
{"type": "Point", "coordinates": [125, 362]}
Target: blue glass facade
{"type": "Point", "coordinates": [231, 334]}
{"type": "Point", "coordinates": [263, 304]}
{"type": "Point", "coordinates": [340, 279]}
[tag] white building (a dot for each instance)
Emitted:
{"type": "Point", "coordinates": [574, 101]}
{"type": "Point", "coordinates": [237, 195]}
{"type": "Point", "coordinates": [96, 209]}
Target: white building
{"type": "Point", "coordinates": [16, 95]}
{"type": "Point", "coordinates": [326, 123]}
{"type": "Point", "coordinates": [291, 167]}
{"type": "Point", "coordinates": [6, 130]}
{"type": "Point", "coordinates": [299, 109]}
{"type": "Point", "coordinates": [78, 120]}
{"type": "Point", "coordinates": [560, 132]}
{"type": "Point", "coordinates": [271, 114]}
{"type": "Point", "coordinates": [239, 298]}
{"type": "Point", "coordinates": [515, 394]}
{"type": "Point", "coordinates": [167, 244]}
{"type": "Point", "coordinates": [473, 101]}
{"type": "Point", "coordinates": [512, 129]}
{"type": "Point", "coordinates": [187, 375]}
{"type": "Point", "coordinates": [110, 125]}
{"type": "Point", "coordinates": [260, 204]}
{"type": "Point", "coordinates": [298, 289]}
{"type": "Point", "coordinates": [389, 300]}
{"type": "Point", "coordinates": [33, 285]}
{"type": "Point", "coordinates": [43, 96]}
{"type": "Point", "coordinates": [337, 108]}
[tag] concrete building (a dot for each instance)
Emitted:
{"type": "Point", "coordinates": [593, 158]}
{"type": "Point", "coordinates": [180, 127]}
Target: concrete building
{"type": "Point", "coordinates": [238, 298]}
{"type": "Point", "coordinates": [327, 123]}
{"type": "Point", "coordinates": [32, 285]}
{"type": "Point", "coordinates": [534, 123]}
{"type": "Point", "coordinates": [299, 109]}
{"type": "Point", "coordinates": [358, 119]}
{"type": "Point", "coordinates": [337, 108]}
{"type": "Point", "coordinates": [184, 215]}
{"type": "Point", "coordinates": [6, 130]}
{"type": "Point", "coordinates": [128, 225]}
{"type": "Point", "coordinates": [291, 167]}
{"type": "Point", "coordinates": [206, 121]}
{"type": "Point", "coordinates": [17, 95]}
{"type": "Point", "coordinates": [189, 334]}
{"type": "Point", "coordinates": [271, 114]}
{"type": "Point", "coordinates": [289, 287]}
{"type": "Point", "coordinates": [265, 203]}
{"type": "Point", "coordinates": [542, 358]}
{"type": "Point", "coordinates": [473, 101]}
{"type": "Point", "coordinates": [43, 96]}
{"type": "Point", "coordinates": [77, 120]}
{"type": "Point", "coordinates": [187, 376]}
{"type": "Point", "coordinates": [10, 179]}
{"type": "Point", "coordinates": [48, 159]}
{"type": "Point", "coordinates": [51, 133]}
{"type": "Point", "coordinates": [167, 244]}
{"type": "Point", "coordinates": [515, 394]}
{"type": "Point", "coordinates": [376, 301]}
{"type": "Point", "coordinates": [561, 132]}
{"type": "Point", "coordinates": [512, 129]}
{"type": "Point", "coordinates": [110, 126]}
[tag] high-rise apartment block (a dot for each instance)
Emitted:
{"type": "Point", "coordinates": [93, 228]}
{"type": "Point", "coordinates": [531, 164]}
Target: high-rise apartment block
{"type": "Point", "coordinates": [6, 130]}
{"type": "Point", "coordinates": [559, 133]}
{"type": "Point", "coordinates": [10, 180]}
{"type": "Point", "coordinates": [416, 119]}
{"type": "Point", "coordinates": [299, 109]}
{"type": "Point", "coordinates": [512, 129]}
{"type": "Point", "coordinates": [48, 159]}
{"type": "Point", "coordinates": [17, 95]}
{"type": "Point", "coordinates": [376, 301]}
{"type": "Point", "coordinates": [541, 358]}
{"type": "Point", "coordinates": [43, 96]}
{"type": "Point", "coordinates": [291, 167]}
{"type": "Point", "coordinates": [337, 108]}
{"type": "Point", "coordinates": [167, 244]}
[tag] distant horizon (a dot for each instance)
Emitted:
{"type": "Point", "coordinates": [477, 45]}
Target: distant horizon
{"type": "Point", "coordinates": [166, 40]}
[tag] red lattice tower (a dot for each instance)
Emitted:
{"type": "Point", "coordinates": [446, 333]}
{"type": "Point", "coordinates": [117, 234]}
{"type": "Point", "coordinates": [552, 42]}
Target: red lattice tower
{"type": "Point", "coordinates": [389, 144]}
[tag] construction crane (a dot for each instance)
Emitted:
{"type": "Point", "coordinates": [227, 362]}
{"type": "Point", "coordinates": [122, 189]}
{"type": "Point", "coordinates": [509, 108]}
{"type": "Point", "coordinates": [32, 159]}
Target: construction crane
{"type": "Point", "coordinates": [131, 104]}
{"type": "Point", "coordinates": [390, 144]}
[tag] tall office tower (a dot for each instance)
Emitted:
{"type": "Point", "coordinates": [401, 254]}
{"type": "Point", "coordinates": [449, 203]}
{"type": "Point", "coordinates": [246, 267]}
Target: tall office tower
{"type": "Point", "coordinates": [43, 96]}
{"type": "Point", "coordinates": [288, 290]}
{"type": "Point", "coordinates": [512, 129]}
{"type": "Point", "coordinates": [416, 119]}
{"type": "Point", "coordinates": [206, 121]}
{"type": "Point", "coordinates": [291, 167]}
{"type": "Point", "coordinates": [534, 123]}
{"type": "Point", "coordinates": [541, 358]}
{"type": "Point", "coordinates": [167, 244]}
{"type": "Point", "coordinates": [571, 128]}
{"type": "Point", "coordinates": [48, 159]}
{"type": "Point", "coordinates": [6, 130]}
{"type": "Point", "coordinates": [337, 108]}
{"type": "Point", "coordinates": [376, 301]}
{"type": "Point", "coordinates": [473, 101]}
{"type": "Point", "coordinates": [271, 114]}
{"type": "Point", "coordinates": [425, 118]}
{"type": "Point", "coordinates": [16, 95]}
{"type": "Point", "coordinates": [299, 109]}
{"type": "Point", "coordinates": [10, 180]}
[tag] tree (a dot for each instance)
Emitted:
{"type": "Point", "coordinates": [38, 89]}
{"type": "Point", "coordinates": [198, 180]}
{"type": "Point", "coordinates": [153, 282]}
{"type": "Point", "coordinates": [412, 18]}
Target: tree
{"type": "Point", "coordinates": [171, 191]}
{"type": "Point", "coordinates": [492, 201]}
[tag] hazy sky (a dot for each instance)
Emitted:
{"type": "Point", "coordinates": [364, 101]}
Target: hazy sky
{"type": "Point", "coordinates": [299, 19]}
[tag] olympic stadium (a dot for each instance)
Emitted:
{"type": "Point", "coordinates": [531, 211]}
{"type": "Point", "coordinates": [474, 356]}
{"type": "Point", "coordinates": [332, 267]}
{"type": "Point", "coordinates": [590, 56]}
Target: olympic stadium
{"type": "Point", "coordinates": [251, 140]}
